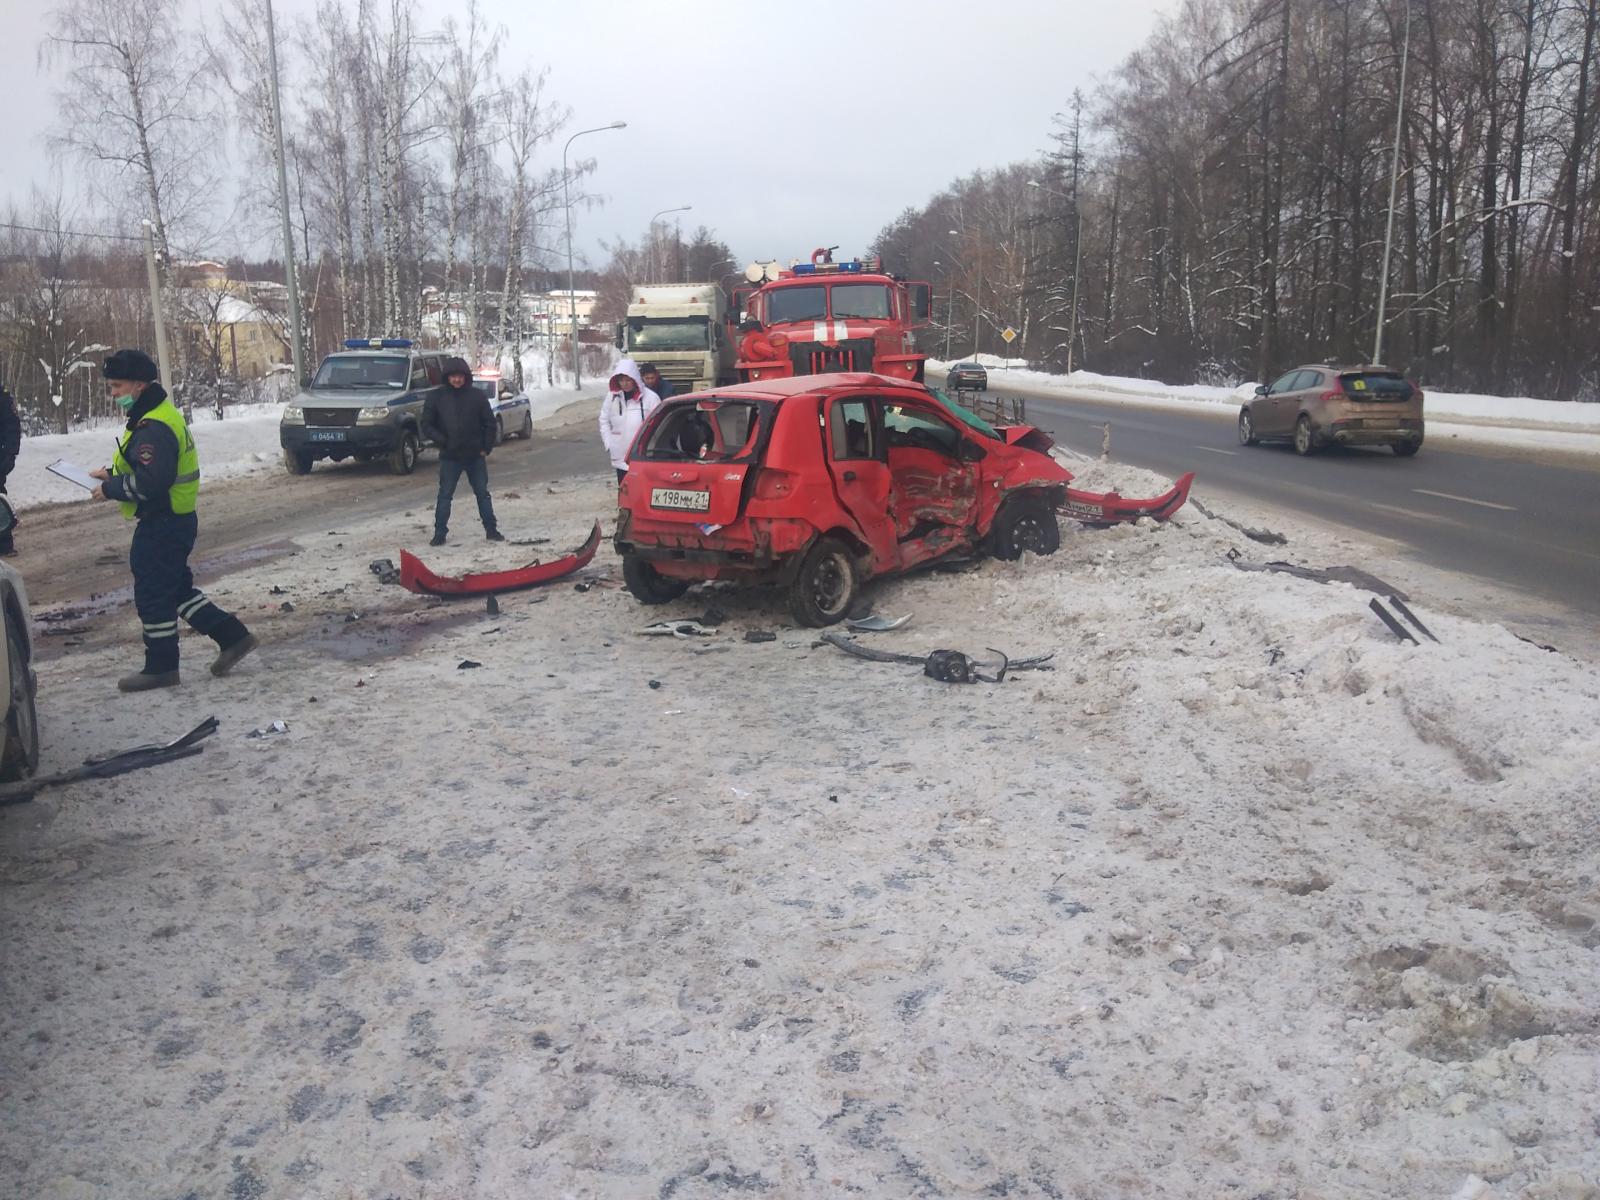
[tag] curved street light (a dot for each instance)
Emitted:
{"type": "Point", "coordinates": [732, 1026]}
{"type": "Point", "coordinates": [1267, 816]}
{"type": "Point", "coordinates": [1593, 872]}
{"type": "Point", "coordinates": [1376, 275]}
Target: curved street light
{"type": "Point", "coordinates": [652, 227]}
{"type": "Point", "coordinates": [566, 198]}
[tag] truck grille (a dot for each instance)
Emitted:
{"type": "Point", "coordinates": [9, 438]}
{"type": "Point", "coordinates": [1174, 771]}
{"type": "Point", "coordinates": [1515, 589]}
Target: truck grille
{"type": "Point", "coordinates": [331, 416]}
{"type": "Point", "coordinates": [679, 372]}
{"type": "Point", "coordinates": [813, 358]}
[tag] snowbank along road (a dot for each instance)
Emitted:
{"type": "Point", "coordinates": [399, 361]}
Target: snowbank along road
{"type": "Point", "coordinates": [1245, 897]}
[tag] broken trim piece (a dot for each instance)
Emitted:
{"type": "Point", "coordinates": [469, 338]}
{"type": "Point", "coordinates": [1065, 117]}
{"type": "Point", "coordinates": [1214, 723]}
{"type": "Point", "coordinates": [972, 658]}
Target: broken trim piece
{"type": "Point", "coordinates": [415, 577]}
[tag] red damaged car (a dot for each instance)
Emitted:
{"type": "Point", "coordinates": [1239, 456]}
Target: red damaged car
{"type": "Point", "coordinates": [819, 483]}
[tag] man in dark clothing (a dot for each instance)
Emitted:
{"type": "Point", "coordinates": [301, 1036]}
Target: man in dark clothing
{"type": "Point", "coordinates": [10, 446]}
{"type": "Point", "coordinates": [155, 477]}
{"type": "Point", "coordinates": [653, 381]}
{"type": "Point", "coordinates": [457, 417]}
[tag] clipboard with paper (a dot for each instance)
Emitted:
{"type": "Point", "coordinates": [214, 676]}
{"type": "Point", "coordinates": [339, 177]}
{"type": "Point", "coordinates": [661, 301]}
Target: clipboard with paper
{"type": "Point", "coordinates": [73, 473]}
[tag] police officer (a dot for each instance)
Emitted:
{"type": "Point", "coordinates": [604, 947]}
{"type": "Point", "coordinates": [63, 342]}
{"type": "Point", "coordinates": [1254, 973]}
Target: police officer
{"type": "Point", "coordinates": [155, 477]}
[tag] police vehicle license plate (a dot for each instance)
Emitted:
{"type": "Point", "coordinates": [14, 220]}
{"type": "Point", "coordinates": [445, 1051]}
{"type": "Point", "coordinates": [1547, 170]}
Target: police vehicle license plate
{"type": "Point", "coordinates": [327, 435]}
{"type": "Point", "coordinates": [676, 498]}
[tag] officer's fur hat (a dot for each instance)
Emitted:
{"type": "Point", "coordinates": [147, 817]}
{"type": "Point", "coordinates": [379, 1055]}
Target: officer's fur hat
{"type": "Point", "coordinates": [133, 365]}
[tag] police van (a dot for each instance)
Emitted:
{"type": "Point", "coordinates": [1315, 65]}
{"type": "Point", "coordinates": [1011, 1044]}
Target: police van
{"type": "Point", "coordinates": [365, 403]}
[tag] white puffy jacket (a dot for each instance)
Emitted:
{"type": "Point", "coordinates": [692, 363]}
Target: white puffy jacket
{"type": "Point", "coordinates": [622, 416]}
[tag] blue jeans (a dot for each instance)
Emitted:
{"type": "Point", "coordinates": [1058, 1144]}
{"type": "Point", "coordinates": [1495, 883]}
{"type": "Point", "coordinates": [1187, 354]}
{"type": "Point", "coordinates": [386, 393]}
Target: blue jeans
{"type": "Point", "coordinates": [450, 472]}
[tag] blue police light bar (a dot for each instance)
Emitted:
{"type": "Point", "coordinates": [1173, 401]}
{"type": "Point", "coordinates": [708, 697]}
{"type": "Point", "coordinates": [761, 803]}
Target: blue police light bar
{"type": "Point", "coordinates": [378, 343]}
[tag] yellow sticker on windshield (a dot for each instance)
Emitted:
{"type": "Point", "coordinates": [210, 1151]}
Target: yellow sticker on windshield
{"type": "Point", "coordinates": [1360, 385]}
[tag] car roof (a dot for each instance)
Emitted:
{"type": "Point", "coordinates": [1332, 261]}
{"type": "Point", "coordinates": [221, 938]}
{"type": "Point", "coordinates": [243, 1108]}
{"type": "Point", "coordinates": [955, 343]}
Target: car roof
{"type": "Point", "coordinates": [801, 385]}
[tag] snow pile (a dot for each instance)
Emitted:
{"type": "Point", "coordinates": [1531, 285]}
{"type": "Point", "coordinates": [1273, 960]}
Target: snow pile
{"type": "Point", "coordinates": [245, 441]}
{"type": "Point", "coordinates": [1244, 897]}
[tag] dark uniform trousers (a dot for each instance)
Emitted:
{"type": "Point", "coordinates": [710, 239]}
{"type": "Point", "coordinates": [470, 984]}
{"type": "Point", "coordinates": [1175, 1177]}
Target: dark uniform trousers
{"type": "Point", "coordinates": [163, 591]}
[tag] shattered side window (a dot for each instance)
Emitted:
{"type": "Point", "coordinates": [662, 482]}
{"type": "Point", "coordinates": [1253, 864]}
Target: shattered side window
{"type": "Point", "coordinates": [911, 428]}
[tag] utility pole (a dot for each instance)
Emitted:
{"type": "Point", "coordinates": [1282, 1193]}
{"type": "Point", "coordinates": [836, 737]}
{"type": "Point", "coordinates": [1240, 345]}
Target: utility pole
{"type": "Point", "coordinates": [297, 342]}
{"type": "Point", "coordinates": [566, 197]}
{"type": "Point", "coordinates": [1077, 261]}
{"type": "Point", "coordinates": [163, 359]}
{"type": "Point", "coordinates": [1394, 184]}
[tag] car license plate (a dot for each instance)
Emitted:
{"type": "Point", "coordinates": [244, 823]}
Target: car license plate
{"type": "Point", "coordinates": [327, 435]}
{"type": "Point", "coordinates": [679, 499]}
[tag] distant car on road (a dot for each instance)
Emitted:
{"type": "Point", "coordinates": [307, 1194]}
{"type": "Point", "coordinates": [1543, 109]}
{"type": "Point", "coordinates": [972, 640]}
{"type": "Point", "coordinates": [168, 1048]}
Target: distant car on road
{"type": "Point", "coordinates": [513, 411]}
{"type": "Point", "coordinates": [1319, 405]}
{"type": "Point", "coordinates": [19, 755]}
{"type": "Point", "coordinates": [967, 377]}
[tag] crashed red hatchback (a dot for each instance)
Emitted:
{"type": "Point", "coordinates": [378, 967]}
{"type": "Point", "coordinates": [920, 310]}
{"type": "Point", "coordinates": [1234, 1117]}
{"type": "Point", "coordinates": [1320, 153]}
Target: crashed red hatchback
{"type": "Point", "coordinates": [820, 482]}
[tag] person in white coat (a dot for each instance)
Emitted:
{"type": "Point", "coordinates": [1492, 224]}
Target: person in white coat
{"type": "Point", "coordinates": [623, 412]}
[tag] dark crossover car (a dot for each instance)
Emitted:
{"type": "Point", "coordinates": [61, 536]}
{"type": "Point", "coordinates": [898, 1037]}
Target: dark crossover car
{"type": "Point", "coordinates": [1319, 405]}
{"type": "Point", "coordinates": [967, 377]}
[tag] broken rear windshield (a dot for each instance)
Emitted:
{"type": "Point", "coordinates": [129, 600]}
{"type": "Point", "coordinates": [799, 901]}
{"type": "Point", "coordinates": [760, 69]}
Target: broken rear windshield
{"type": "Point", "coordinates": [1376, 385]}
{"type": "Point", "coordinates": [706, 431]}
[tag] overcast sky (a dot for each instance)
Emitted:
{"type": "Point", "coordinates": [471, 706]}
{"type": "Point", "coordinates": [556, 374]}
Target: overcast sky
{"type": "Point", "coordinates": [785, 127]}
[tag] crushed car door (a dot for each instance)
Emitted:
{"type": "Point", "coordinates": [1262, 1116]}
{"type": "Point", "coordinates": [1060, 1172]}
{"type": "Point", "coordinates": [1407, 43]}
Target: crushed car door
{"type": "Point", "coordinates": [932, 493]}
{"type": "Point", "coordinates": [861, 476]}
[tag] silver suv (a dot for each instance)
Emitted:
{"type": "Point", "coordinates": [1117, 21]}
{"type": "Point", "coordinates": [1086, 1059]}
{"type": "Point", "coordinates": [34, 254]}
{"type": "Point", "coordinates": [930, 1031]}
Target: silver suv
{"type": "Point", "coordinates": [365, 403]}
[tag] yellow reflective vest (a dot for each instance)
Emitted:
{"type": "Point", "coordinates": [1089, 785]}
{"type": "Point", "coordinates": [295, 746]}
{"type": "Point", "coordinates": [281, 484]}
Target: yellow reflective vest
{"type": "Point", "coordinates": [185, 491]}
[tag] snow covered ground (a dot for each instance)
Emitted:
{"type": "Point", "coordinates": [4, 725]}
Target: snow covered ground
{"type": "Point", "coordinates": [245, 441]}
{"type": "Point", "coordinates": [1244, 898]}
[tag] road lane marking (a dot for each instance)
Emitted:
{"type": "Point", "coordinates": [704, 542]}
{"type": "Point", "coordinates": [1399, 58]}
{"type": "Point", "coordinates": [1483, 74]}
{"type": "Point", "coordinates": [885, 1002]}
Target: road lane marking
{"type": "Point", "coordinates": [1464, 499]}
{"type": "Point", "coordinates": [1214, 450]}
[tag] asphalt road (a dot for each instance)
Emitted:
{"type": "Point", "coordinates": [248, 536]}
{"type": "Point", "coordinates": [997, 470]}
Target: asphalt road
{"type": "Point", "coordinates": [1511, 518]}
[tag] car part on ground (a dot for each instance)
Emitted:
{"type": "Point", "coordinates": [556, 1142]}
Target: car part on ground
{"type": "Point", "coordinates": [1354, 576]}
{"type": "Point", "coordinates": [1111, 508]}
{"type": "Point", "coordinates": [1389, 619]}
{"type": "Point", "coordinates": [1265, 536]}
{"type": "Point", "coordinates": [115, 764]}
{"type": "Point", "coordinates": [416, 577]}
{"type": "Point", "coordinates": [949, 666]}
{"type": "Point", "coordinates": [876, 624]}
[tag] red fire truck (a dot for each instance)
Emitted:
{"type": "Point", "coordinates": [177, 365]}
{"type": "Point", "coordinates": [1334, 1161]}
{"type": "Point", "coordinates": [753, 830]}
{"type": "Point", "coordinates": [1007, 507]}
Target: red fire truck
{"type": "Point", "coordinates": [825, 316]}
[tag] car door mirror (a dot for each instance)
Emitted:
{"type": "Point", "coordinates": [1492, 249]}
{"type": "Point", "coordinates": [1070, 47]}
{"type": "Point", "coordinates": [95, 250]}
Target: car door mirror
{"type": "Point", "coordinates": [1261, 389]}
{"type": "Point", "coordinates": [921, 303]}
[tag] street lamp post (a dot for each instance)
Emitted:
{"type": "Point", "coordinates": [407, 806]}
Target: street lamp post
{"type": "Point", "coordinates": [1394, 184]}
{"type": "Point", "coordinates": [1077, 262]}
{"type": "Point", "coordinates": [662, 213]}
{"type": "Point", "coordinates": [566, 198]}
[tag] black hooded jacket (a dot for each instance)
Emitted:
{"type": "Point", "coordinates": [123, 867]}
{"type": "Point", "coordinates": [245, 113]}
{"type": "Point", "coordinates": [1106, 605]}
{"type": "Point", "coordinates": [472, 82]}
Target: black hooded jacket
{"type": "Point", "coordinates": [460, 421]}
{"type": "Point", "coordinates": [10, 436]}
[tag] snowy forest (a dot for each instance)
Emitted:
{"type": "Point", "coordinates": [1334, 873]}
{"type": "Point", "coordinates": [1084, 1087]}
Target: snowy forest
{"type": "Point", "coordinates": [1218, 209]}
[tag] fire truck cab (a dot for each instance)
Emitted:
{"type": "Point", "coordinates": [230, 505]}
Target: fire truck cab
{"type": "Point", "coordinates": [824, 316]}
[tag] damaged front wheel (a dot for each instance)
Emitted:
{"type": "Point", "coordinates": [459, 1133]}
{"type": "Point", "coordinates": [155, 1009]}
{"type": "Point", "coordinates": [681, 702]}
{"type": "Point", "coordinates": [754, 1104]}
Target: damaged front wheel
{"type": "Point", "coordinates": [648, 585]}
{"type": "Point", "coordinates": [1025, 525]}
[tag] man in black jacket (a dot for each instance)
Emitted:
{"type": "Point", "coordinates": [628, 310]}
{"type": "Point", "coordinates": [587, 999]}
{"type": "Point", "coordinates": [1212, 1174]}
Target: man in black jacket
{"type": "Point", "coordinates": [10, 446]}
{"type": "Point", "coordinates": [458, 419]}
{"type": "Point", "coordinates": [652, 380]}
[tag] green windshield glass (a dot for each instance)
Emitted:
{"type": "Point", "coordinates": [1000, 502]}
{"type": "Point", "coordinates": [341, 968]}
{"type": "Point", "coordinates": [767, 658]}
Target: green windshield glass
{"type": "Point", "coordinates": [967, 416]}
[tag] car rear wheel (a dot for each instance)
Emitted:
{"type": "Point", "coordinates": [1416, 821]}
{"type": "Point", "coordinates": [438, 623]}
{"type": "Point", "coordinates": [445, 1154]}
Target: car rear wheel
{"type": "Point", "coordinates": [1025, 525]}
{"type": "Point", "coordinates": [20, 757]}
{"type": "Point", "coordinates": [499, 430]}
{"type": "Point", "coordinates": [527, 426]}
{"type": "Point", "coordinates": [403, 459]}
{"type": "Point", "coordinates": [648, 585]}
{"type": "Point", "coordinates": [1305, 442]}
{"type": "Point", "coordinates": [825, 586]}
{"type": "Point", "coordinates": [297, 462]}
{"type": "Point", "coordinates": [1407, 449]}
{"type": "Point", "coordinates": [1247, 429]}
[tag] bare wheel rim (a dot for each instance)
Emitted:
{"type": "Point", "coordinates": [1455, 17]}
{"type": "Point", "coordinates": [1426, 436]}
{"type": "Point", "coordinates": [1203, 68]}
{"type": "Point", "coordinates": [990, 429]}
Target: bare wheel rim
{"type": "Point", "coordinates": [830, 583]}
{"type": "Point", "coordinates": [1028, 532]}
{"type": "Point", "coordinates": [1302, 437]}
{"type": "Point", "coordinates": [1244, 427]}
